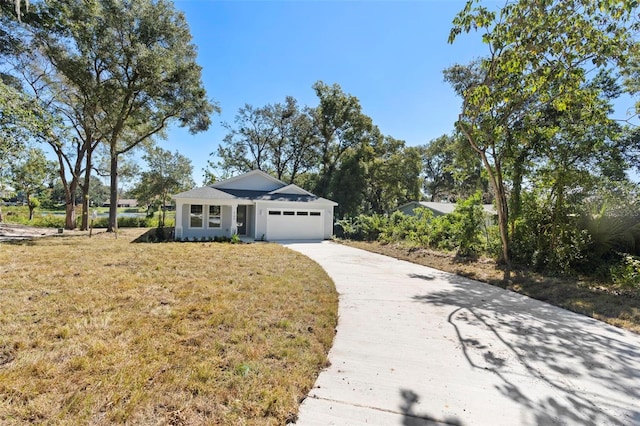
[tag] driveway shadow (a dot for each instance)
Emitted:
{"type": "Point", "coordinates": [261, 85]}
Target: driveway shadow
{"type": "Point", "coordinates": [413, 418]}
{"type": "Point", "coordinates": [594, 370]}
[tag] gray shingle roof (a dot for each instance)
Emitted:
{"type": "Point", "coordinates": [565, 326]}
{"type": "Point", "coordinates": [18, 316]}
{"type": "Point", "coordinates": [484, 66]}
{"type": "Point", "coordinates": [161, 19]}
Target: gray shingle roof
{"type": "Point", "coordinates": [205, 192]}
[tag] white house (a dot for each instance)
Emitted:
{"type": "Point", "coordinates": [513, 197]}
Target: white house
{"type": "Point", "coordinates": [255, 205]}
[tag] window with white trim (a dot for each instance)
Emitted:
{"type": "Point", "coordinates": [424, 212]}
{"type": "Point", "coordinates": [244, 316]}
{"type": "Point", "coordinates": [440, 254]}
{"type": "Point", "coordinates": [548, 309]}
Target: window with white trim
{"type": "Point", "coordinates": [215, 216]}
{"type": "Point", "coordinates": [195, 216]}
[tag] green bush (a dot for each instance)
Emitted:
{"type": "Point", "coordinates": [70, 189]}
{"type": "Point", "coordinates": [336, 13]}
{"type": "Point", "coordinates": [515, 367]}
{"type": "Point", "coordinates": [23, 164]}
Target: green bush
{"type": "Point", "coordinates": [460, 230]}
{"type": "Point", "coordinates": [443, 233]}
{"type": "Point", "coordinates": [467, 220]}
{"type": "Point", "coordinates": [627, 272]}
{"type": "Point", "coordinates": [125, 222]}
{"type": "Point", "coordinates": [549, 241]}
{"type": "Point", "coordinates": [362, 227]}
{"type": "Point", "coordinates": [395, 228]}
{"type": "Point", "coordinates": [50, 221]}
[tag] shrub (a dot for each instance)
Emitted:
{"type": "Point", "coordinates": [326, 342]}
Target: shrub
{"type": "Point", "coordinates": [467, 220]}
{"type": "Point", "coordinates": [124, 222]}
{"type": "Point", "coordinates": [627, 272]}
{"type": "Point", "coordinates": [362, 227]}
{"type": "Point", "coordinates": [49, 221]}
{"type": "Point", "coordinates": [443, 233]}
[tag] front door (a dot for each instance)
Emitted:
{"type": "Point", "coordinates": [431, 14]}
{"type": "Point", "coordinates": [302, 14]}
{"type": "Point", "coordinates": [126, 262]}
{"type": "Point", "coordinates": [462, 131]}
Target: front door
{"type": "Point", "coordinates": [241, 220]}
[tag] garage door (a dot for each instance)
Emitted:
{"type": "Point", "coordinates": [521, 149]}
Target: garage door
{"type": "Point", "coordinates": [294, 225]}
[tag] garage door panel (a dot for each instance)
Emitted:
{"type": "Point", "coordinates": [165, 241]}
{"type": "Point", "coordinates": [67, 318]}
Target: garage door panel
{"type": "Point", "coordinates": [294, 225]}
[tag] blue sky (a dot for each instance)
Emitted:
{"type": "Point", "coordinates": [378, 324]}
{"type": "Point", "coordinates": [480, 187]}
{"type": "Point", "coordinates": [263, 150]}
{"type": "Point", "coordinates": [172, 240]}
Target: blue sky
{"type": "Point", "coordinates": [389, 54]}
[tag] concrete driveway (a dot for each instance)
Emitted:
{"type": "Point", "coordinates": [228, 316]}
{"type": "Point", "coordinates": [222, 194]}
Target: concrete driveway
{"type": "Point", "coordinates": [417, 346]}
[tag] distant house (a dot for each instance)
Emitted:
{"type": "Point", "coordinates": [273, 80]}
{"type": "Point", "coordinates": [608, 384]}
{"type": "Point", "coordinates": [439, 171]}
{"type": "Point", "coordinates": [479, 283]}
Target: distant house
{"type": "Point", "coordinates": [255, 205]}
{"type": "Point", "coordinates": [125, 202]}
{"type": "Point", "coordinates": [439, 209]}
{"type": "Point", "coordinates": [7, 192]}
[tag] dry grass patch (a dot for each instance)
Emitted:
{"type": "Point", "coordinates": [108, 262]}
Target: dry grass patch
{"type": "Point", "coordinates": [101, 331]}
{"type": "Point", "coordinates": [605, 303]}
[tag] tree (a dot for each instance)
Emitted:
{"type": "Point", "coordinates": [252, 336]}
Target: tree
{"type": "Point", "coordinates": [135, 62]}
{"type": "Point", "coordinates": [438, 156]}
{"type": "Point", "coordinates": [168, 173]}
{"type": "Point", "coordinates": [67, 99]}
{"type": "Point", "coordinates": [17, 7]}
{"type": "Point", "coordinates": [279, 138]}
{"type": "Point", "coordinates": [246, 147]}
{"type": "Point", "coordinates": [342, 127]}
{"type": "Point", "coordinates": [451, 170]}
{"type": "Point", "coordinates": [536, 61]}
{"type": "Point", "coordinates": [21, 119]}
{"type": "Point", "coordinates": [393, 175]}
{"type": "Point", "coordinates": [128, 168]}
{"type": "Point", "coordinates": [293, 150]}
{"type": "Point", "coordinates": [30, 176]}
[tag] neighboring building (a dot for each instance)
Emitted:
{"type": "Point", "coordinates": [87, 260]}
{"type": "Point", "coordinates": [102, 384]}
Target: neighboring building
{"type": "Point", "coordinates": [122, 203]}
{"type": "Point", "coordinates": [440, 209]}
{"type": "Point", "coordinates": [255, 205]}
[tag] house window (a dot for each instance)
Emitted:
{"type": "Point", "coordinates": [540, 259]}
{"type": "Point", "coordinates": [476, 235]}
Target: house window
{"type": "Point", "coordinates": [215, 216]}
{"type": "Point", "coordinates": [195, 218]}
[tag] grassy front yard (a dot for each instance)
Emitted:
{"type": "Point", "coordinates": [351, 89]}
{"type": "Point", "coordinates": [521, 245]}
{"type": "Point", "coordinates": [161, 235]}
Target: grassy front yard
{"type": "Point", "coordinates": [102, 330]}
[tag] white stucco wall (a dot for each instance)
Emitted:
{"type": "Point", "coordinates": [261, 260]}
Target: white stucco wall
{"type": "Point", "coordinates": [183, 218]}
{"type": "Point", "coordinates": [256, 218]}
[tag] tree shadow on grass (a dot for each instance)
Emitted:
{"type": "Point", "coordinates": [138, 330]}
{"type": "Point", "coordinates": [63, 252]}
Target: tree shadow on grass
{"type": "Point", "coordinates": [156, 235]}
{"type": "Point", "coordinates": [588, 372]}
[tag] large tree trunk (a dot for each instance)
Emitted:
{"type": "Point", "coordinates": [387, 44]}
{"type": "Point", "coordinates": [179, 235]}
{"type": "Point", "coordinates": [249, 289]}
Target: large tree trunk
{"type": "Point", "coordinates": [69, 187]}
{"type": "Point", "coordinates": [31, 207]}
{"type": "Point", "coordinates": [70, 200]}
{"type": "Point", "coordinates": [85, 195]}
{"type": "Point", "coordinates": [502, 207]}
{"type": "Point", "coordinates": [113, 199]}
{"type": "Point", "coordinates": [70, 213]}
{"type": "Point", "coordinates": [495, 177]}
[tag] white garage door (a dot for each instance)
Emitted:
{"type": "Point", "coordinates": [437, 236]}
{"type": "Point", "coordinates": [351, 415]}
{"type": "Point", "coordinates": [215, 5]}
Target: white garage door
{"type": "Point", "coordinates": [285, 224]}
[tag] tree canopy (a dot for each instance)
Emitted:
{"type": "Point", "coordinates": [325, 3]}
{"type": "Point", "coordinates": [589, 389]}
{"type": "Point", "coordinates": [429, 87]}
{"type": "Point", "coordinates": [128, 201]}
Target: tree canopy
{"type": "Point", "coordinates": [168, 173]}
{"type": "Point", "coordinates": [121, 76]}
{"type": "Point", "coordinates": [537, 65]}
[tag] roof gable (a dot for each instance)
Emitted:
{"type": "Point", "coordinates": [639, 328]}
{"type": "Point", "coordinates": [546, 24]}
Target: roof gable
{"type": "Point", "coordinates": [255, 186]}
{"type": "Point", "coordinates": [291, 189]}
{"type": "Point", "coordinates": [206, 192]}
{"type": "Point", "coordinates": [255, 180]}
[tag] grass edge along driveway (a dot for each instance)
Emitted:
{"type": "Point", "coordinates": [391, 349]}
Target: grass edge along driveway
{"type": "Point", "coordinates": [102, 330]}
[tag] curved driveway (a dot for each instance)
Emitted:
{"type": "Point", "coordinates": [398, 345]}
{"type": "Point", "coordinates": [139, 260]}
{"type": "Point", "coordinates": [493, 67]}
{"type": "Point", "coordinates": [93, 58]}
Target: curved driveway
{"type": "Point", "coordinates": [417, 346]}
